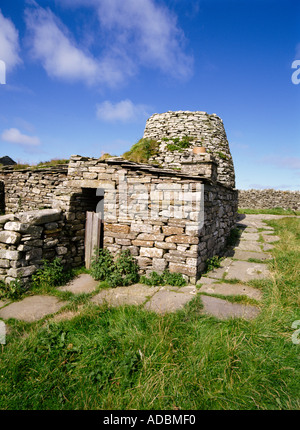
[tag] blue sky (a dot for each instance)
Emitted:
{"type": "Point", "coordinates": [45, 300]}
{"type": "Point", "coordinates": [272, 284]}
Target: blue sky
{"type": "Point", "coordinates": [83, 76]}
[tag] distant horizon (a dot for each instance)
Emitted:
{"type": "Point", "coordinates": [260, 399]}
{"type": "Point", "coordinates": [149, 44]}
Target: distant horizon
{"type": "Point", "coordinates": [84, 76]}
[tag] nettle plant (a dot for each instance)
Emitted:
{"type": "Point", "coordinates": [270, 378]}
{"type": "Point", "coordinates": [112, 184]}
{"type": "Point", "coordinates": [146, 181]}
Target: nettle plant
{"type": "Point", "coordinates": [121, 271]}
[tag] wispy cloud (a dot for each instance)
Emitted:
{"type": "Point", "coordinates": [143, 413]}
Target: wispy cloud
{"type": "Point", "coordinates": [52, 44]}
{"type": "Point", "coordinates": [283, 162]}
{"type": "Point", "coordinates": [124, 111]}
{"type": "Point", "coordinates": [136, 33]}
{"type": "Point", "coordinates": [14, 136]}
{"type": "Point", "coordinates": [9, 43]}
{"type": "Point", "coordinates": [148, 32]}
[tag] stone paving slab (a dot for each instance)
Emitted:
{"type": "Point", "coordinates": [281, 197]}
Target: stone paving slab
{"type": "Point", "coordinates": [249, 236]}
{"type": "Point", "coordinates": [231, 290]}
{"type": "Point", "coordinates": [32, 308]}
{"type": "Point", "coordinates": [168, 301]}
{"type": "Point", "coordinates": [83, 283]}
{"type": "Point", "coordinates": [135, 294]}
{"type": "Point", "coordinates": [245, 271]}
{"type": "Point", "coordinates": [270, 238]}
{"type": "Point", "coordinates": [267, 231]}
{"type": "Point", "coordinates": [245, 255]}
{"type": "Point", "coordinates": [223, 309]}
{"type": "Point", "coordinates": [249, 245]}
{"type": "Point", "coordinates": [267, 246]}
{"type": "Point", "coordinates": [205, 280]}
{"type": "Point", "coordinates": [241, 270]}
{"type": "Point", "coordinates": [250, 230]}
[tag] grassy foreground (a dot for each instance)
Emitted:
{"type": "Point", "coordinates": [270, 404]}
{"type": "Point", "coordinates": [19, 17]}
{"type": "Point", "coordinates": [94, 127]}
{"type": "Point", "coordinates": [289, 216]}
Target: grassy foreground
{"type": "Point", "coordinates": [274, 211]}
{"type": "Point", "coordinates": [128, 358]}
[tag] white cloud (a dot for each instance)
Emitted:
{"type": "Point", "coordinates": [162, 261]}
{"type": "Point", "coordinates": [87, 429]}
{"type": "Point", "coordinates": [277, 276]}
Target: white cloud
{"type": "Point", "coordinates": [13, 135]}
{"type": "Point", "coordinates": [131, 34]}
{"type": "Point", "coordinates": [283, 162]}
{"type": "Point", "coordinates": [124, 111]}
{"type": "Point", "coordinates": [52, 44]}
{"type": "Point", "coordinates": [9, 43]}
{"type": "Point", "coordinates": [148, 32]}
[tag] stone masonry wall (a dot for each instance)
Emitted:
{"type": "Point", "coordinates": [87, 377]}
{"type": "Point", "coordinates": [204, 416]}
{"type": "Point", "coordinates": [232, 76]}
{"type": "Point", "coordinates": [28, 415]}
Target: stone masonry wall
{"type": "Point", "coordinates": [148, 227]}
{"type": "Point", "coordinates": [2, 198]}
{"type": "Point", "coordinates": [268, 199]}
{"type": "Point", "coordinates": [207, 130]}
{"type": "Point", "coordinates": [30, 189]}
{"type": "Point", "coordinates": [29, 237]}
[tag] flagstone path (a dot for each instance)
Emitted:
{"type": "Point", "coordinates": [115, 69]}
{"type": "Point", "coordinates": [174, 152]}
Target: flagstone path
{"type": "Point", "coordinates": [253, 244]}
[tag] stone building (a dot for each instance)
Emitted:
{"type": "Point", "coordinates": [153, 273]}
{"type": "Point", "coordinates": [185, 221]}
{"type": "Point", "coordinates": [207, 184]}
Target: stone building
{"type": "Point", "coordinates": [173, 212]}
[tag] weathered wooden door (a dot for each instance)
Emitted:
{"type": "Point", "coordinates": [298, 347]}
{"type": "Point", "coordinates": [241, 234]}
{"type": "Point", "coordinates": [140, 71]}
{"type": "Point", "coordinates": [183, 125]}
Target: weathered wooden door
{"type": "Point", "coordinates": [93, 232]}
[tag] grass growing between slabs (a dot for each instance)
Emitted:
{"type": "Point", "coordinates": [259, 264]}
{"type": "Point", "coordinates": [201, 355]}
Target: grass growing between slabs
{"type": "Point", "coordinates": [274, 211]}
{"type": "Point", "coordinates": [129, 358]}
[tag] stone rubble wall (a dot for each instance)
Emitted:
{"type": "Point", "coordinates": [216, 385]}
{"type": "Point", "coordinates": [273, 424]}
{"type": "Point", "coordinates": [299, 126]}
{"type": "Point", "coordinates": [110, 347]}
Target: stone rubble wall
{"type": "Point", "coordinates": [2, 198]}
{"type": "Point", "coordinates": [157, 238]}
{"type": "Point", "coordinates": [27, 238]}
{"type": "Point", "coordinates": [269, 199]}
{"type": "Point", "coordinates": [207, 130]}
{"type": "Point", "coordinates": [30, 189]}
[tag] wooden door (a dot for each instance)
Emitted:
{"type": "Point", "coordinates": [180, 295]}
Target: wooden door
{"type": "Point", "coordinates": [93, 232]}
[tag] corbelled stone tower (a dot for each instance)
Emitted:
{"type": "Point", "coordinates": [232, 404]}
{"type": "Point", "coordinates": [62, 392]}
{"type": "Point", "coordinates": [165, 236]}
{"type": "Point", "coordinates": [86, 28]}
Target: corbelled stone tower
{"type": "Point", "coordinates": [203, 130]}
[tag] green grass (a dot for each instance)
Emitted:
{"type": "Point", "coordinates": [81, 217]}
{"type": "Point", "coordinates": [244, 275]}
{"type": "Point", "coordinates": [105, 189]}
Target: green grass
{"type": "Point", "coordinates": [141, 151]}
{"type": "Point", "coordinates": [180, 145]}
{"type": "Point", "coordinates": [41, 165]}
{"type": "Point", "coordinates": [128, 358]}
{"type": "Point", "coordinates": [274, 211]}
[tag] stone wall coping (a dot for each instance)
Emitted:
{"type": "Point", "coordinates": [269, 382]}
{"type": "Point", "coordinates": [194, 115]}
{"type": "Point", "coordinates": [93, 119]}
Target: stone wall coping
{"type": "Point", "coordinates": [63, 168]}
{"type": "Point", "coordinates": [122, 162]}
{"type": "Point", "coordinates": [34, 217]}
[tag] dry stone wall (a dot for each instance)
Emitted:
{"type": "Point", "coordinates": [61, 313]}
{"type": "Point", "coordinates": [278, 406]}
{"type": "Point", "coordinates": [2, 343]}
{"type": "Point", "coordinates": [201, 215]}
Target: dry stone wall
{"type": "Point", "coordinates": [150, 224]}
{"type": "Point", "coordinates": [172, 213]}
{"type": "Point", "coordinates": [207, 131]}
{"type": "Point", "coordinates": [30, 189]}
{"type": "Point", "coordinates": [2, 198]}
{"type": "Point", "coordinates": [268, 199]}
{"type": "Point", "coordinates": [27, 238]}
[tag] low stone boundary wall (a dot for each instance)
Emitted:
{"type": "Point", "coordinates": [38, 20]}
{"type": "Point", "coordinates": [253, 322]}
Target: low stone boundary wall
{"type": "Point", "coordinates": [30, 189]}
{"type": "Point", "coordinates": [268, 199]}
{"type": "Point", "coordinates": [2, 198]}
{"type": "Point", "coordinates": [29, 237]}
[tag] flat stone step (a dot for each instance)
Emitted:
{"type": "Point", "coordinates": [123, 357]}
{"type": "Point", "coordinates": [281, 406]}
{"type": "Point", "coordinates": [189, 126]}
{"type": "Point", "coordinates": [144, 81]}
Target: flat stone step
{"type": "Point", "coordinates": [83, 283]}
{"type": "Point", "coordinates": [249, 236]}
{"type": "Point", "coordinates": [158, 299]}
{"type": "Point", "coordinates": [225, 289]}
{"type": "Point", "coordinates": [250, 230]}
{"type": "Point", "coordinates": [168, 301]}
{"type": "Point", "coordinates": [135, 294]}
{"type": "Point", "coordinates": [249, 245]}
{"type": "Point", "coordinates": [267, 247]}
{"type": "Point", "coordinates": [32, 308]}
{"type": "Point", "coordinates": [245, 255]}
{"type": "Point", "coordinates": [270, 238]}
{"type": "Point", "coordinates": [241, 270]}
{"type": "Point", "coordinates": [223, 309]}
